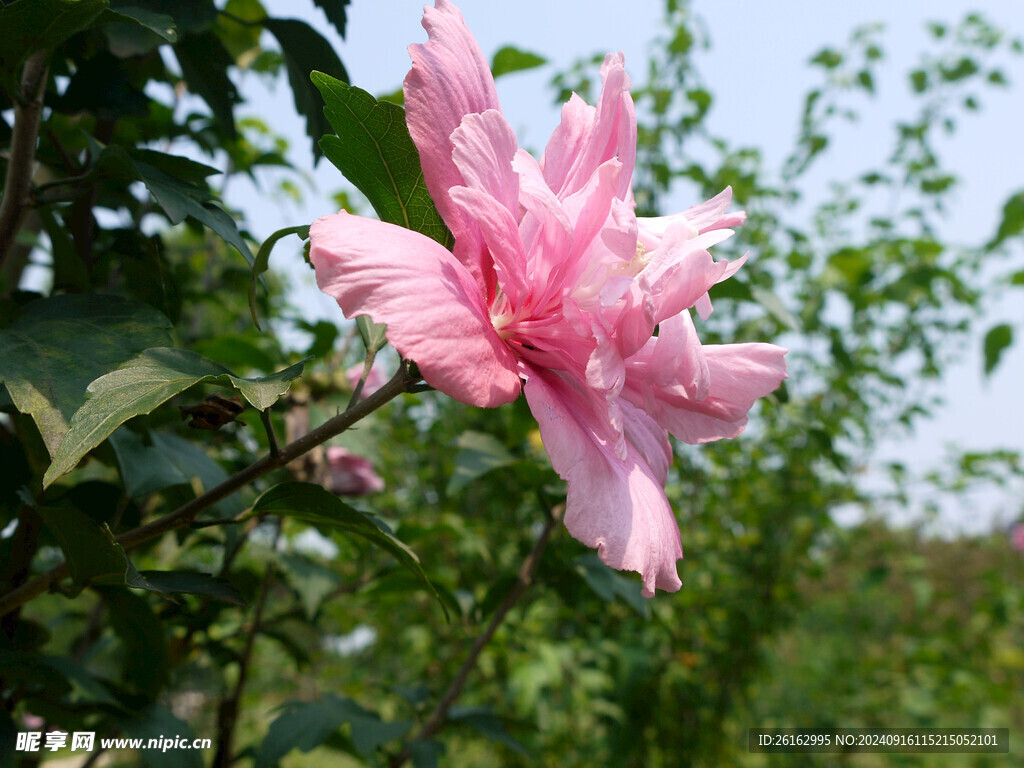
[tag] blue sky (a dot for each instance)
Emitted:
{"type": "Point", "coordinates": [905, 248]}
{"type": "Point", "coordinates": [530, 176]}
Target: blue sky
{"type": "Point", "coordinates": [757, 70]}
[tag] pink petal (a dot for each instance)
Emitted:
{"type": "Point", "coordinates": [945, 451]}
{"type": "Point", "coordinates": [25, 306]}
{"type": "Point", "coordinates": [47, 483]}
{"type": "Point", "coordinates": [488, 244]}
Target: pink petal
{"type": "Point", "coordinates": [681, 270]}
{"type": "Point", "coordinates": [431, 305]}
{"type": "Point", "coordinates": [568, 141]}
{"type": "Point", "coordinates": [449, 79]}
{"type": "Point", "coordinates": [484, 145]}
{"type": "Point", "coordinates": [647, 436]}
{"type": "Point", "coordinates": [501, 234]}
{"type": "Point", "coordinates": [617, 506]}
{"type": "Point", "coordinates": [612, 134]}
{"type": "Point", "coordinates": [738, 375]}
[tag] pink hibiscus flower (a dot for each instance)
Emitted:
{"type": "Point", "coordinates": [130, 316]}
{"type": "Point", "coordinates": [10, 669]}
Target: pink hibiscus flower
{"type": "Point", "coordinates": [351, 474]}
{"type": "Point", "coordinates": [556, 282]}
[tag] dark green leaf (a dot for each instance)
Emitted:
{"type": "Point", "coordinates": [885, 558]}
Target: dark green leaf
{"type": "Point", "coordinates": [189, 15]}
{"type": "Point", "coordinates": [192, 583]}
{"type": "Point", "coordinates": [57, 346]}
{"type": "Point", "coordinates": [204, 64]}
{"type": "Point", "coordinates": [89, 548]}
{"type": "Point", "coordinates": [919, 80]}
{"type": "Point", "coordinates": [262, 261]}
{"type": "Point", "coordinates": [30, 26]}
{"type": "Point", "coordinates": [315, 505]}
{"type": "Point", "coordinates": [479, 453]}
{"type": "Point", "coordinates": [312, 581]}
{"type": "Point", "coordinates": [145, 382]}
{"type": "Point", "coordinates": [142, 636]}
{"type": "Point", "coordinates": [996, 341]}
{"type": "Point", "coordinates": [375, 152]}
{"type": "Point", "coordinates": [306, 725]}
{"type": "Point", "coordinates": [305, 51]}
{"type": "Point", "coordinates": [69, 271]}
{"type": "Point", "coordinates": [509, 59]}
{"type": "Point", "coordinates": [180, 200]}
{"type": "Point", "coordinates": [374, 335]}
{"type": "Point", "coordinates": [156, 722]}
{"type": "Point", "coordinates": [484, 720]}
{"type": "Point", "coordinates": [335, 11]}
{"type": "Point", "coordinates": [158, 23]}
{"type": "Point", "coordinates": [88, 687]}
{"type": "Point", "coordinates": [426, 753]}
{"type": "Point", "coordinates": [104, 85]}
{"type": "Point", "coordinates": [610, 585]}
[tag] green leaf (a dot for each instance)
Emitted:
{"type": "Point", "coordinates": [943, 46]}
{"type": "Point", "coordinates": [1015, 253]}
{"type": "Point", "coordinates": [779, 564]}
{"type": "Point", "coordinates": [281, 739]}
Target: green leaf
{"type": "Point", "coordinates": [479, 453]}
{"type": "Point", "coordinates": [305, 51]}
{"type": "Point", "coordinates": [312, 581]}
{"type": "Point", "coordinates": [26, 27]}
{"type": "Point", "coordinates": [997, 340]}
{"type": "Point", "coordinates": [204, 64]}
{"type": "Point", "coordinates": [374, 151]}
{"type": "Point", "coordinates": [165, 461]}
{"type": "Point", "coordinates": [144, 647]}
{"type": "Point", "coordinates": [133, 31]}
{"type": "Point", "coordinates": [158, 23]}
{"type": "Point", "coordinates": [176, 183]}
{"type": "Point", "coordinates": [262, 261]}
{"type": "Point", "coordinates": [145, 382]}
{"type": "Point", "coordinates": [180, 200]}
{"type": "Point", "coordinates": [426, 753]}
{"type": "Point", "coordinates": [510, 59]}
{"type": "Point", "coordinates": [57, 346]}
{"type": "Point", "coordinates": [1012, 223]}
{"type": "Point", "coordinates": [92, 555]}
{"type": "Point", "coordinates": [192, 583]}
{"type": "Point", "coordinates": [335, 11]}
{"type": "Point", "coordinates": [314, 504]}
{"type": "Point", "coordinates": [775, 307]}
{"type": "Point", "coordinates": [484, 720]}
{"type": "Point", "coordinates": [919, 80]}
{"type": "Point", "coordinates": [827, 58]}
{"type": "Point", "coordinates": [155, 722]}
{"type": "Point", "coordinates": [374, 335]}
{"type": "Point", "coordinates": [610, 585]}
{"type": "Point", "coordinates": [305, 725]}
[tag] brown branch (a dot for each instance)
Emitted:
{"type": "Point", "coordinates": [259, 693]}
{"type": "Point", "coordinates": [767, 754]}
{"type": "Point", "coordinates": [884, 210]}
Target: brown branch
{"type": "Point", "coordinates": [523, 581]}
{"type": "Point", "coordinates": [28, 111]}
{"type": "Point", "coordinates": [186, 513]}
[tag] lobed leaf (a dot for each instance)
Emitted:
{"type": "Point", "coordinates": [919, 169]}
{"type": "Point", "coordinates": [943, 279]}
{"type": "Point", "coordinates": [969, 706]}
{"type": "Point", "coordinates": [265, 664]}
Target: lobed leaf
{"type": "Point", "coordinates": [374, 150]}
{"type": "Point", "coordinates": [58, 345]}
{"type": "Point", "coordinates": [145, 382]}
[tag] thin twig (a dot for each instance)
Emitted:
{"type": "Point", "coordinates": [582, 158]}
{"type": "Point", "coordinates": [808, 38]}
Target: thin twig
{"type": "Point", "coordinates": [268, 425]}
{"type": "Point", "coordinates": [523, 581]}
{"type": "Point", "coordinates": [186, 513]}
{"type": "Point", "coordinates": [227, 714]}
{"type": "Point", "coordinates": [28, 110]}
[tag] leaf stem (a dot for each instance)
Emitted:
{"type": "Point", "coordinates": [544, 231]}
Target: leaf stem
{"type": "Point", "coordinates": [185, 514]}
{"type": "Point", "coordinates": [523, 581]}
